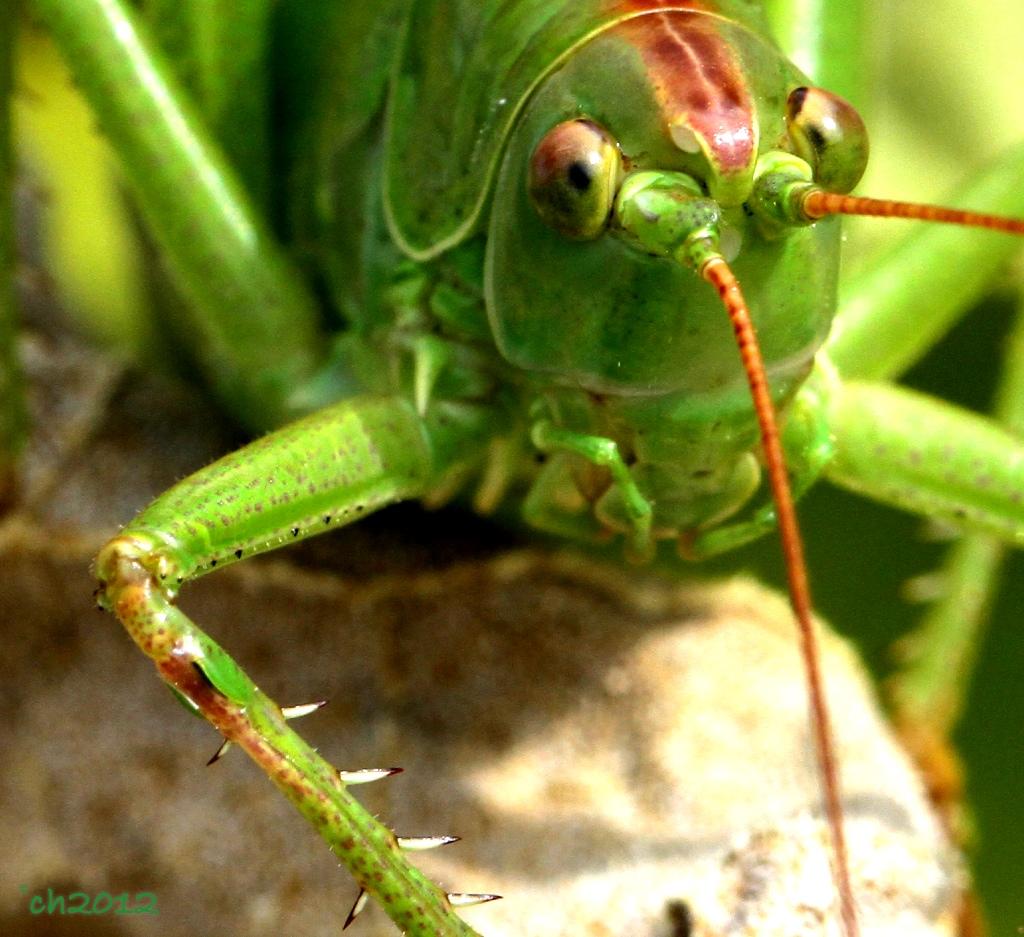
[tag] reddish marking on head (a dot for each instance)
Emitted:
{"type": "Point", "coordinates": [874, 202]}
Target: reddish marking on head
{"type": "Point", "coordinates": [698, 83]}
{"type": "Point", "coordinates": [641, 6]}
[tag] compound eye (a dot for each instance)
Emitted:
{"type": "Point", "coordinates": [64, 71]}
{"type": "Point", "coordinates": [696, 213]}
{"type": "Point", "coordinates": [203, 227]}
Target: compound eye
{"type": "Point", "coordinates": [575, 172]}
{"type": "Point", "coordinates": [829, 134]}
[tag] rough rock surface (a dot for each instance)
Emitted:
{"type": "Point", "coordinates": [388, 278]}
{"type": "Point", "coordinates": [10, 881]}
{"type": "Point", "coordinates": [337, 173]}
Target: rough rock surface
{"type": "Point", "coordinates": [621, 756]}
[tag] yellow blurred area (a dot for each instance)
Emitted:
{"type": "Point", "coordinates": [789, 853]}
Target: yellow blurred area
{"type": "Point", "coordinates": [946, 78]}
{"type": "Point", "coordinates": [948, 93]}
{"type": "Point", "coordinates": [88, 239]}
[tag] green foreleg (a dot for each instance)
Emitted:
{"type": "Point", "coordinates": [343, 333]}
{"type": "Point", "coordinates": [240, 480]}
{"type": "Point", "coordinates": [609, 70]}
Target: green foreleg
{"type": "Point", "coordinates": [253, 317]}
{"type": "Point", "coordinates": [325, 470]}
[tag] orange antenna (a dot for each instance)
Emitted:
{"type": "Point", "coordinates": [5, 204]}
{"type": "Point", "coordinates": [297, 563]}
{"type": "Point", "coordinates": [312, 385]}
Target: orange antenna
{"type": "Point", "coordinates": [718, 273]}
{"type": "Point", "coordinates": [816, 204]}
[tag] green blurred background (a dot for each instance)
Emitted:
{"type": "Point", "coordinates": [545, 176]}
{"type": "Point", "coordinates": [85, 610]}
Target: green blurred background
{"type": "Point", "coordinates": [947, 78]}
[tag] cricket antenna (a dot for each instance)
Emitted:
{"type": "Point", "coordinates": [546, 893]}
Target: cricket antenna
{"type": "Point", "coordinates": [816, 203]}
{"type": "Point", "coordinates": [717, 272]}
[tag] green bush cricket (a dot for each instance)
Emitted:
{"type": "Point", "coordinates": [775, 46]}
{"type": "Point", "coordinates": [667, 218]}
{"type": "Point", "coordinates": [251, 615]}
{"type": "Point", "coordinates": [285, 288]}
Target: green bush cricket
{"type": "Point", "coordinates": [641, 408]}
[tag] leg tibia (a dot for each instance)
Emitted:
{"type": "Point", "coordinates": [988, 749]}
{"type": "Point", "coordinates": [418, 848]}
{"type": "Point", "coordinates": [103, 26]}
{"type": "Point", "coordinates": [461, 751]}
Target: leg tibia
{"type": "Point", "coordinates": [327, 469]}
{"type": "Point", "coordinates": [198, 668]}
{"type": "Point", "coordinates": [250, 310]}
{"type": "Point", "coordinates": [926, 456]}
